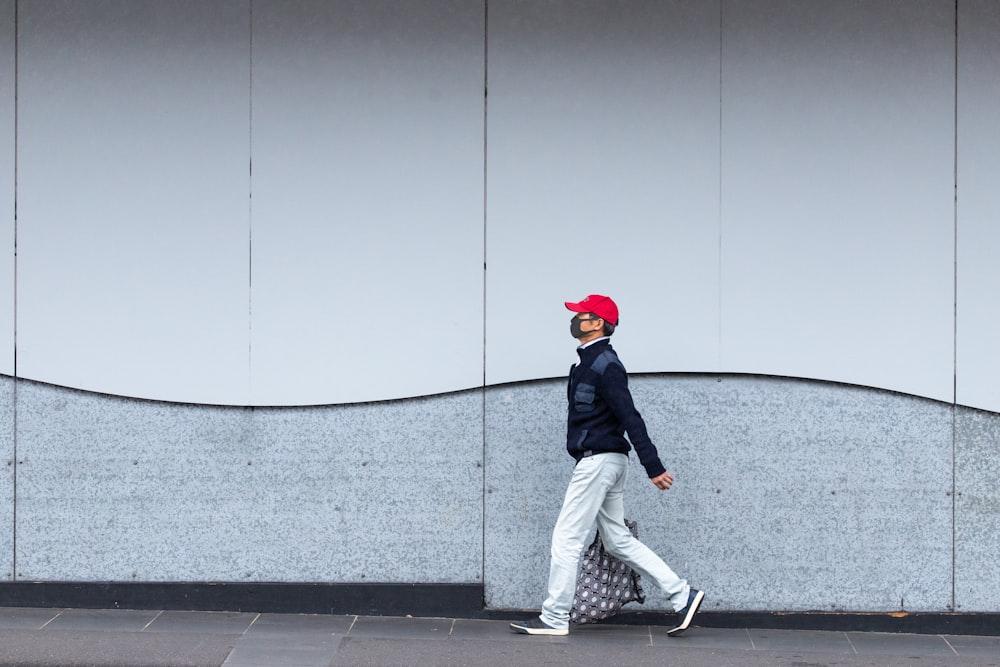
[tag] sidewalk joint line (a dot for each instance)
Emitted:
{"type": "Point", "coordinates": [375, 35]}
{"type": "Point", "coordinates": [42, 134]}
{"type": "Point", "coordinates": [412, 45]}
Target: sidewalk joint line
{"type": "Point", "coordinates": [46, 623]}
{"type": "Point", "coordinates": [151, 621]}
{"type": "Point", "coordinates": [953, 650]}
{"type": "Point", "coordinates": [255, 618]}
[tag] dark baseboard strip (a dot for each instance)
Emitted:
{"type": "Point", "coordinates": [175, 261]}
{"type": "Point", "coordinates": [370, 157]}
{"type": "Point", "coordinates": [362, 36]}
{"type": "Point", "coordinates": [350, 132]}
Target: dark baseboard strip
{"type": "Point", "coordinates": [441, 600]}
{"type": "Point", "coordinates": [914, 623]}
{"type": "Point", "coordinates": [363, 599]}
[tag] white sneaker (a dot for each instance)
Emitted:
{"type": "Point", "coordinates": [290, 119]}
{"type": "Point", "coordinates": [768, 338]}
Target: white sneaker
{"type": "Point", "coordinates": [536, 626]}
{"type": "Point", "coordinates": [685, 615]}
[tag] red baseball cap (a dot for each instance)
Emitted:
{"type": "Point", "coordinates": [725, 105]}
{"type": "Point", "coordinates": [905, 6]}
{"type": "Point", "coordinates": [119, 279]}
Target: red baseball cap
{"type": "Point", "coordinates": [599, 305]}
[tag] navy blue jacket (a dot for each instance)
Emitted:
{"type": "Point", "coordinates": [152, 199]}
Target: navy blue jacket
{"type": "Point", "coordinates": [601, 409]}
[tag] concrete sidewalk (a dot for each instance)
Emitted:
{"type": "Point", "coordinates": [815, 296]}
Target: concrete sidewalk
{"type": "Point", "coordinates": [126, 638]}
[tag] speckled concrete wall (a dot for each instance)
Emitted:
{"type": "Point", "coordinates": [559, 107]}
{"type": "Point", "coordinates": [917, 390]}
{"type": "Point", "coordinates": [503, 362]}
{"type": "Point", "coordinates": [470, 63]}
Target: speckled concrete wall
{"type": "Point", "coordinates": [126, 490]}
{"type": "Point", "coordinates": [789, 495]}
{"type": "Point", "coordinates": [977, 515]}
{"type": "Point", "coordinates": [6, 478]}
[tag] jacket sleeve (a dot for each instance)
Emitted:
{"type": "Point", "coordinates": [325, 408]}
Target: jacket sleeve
{"type": "Point", "coordinates": [615, 392]}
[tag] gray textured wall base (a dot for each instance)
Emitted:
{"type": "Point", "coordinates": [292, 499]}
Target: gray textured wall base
{"type": "Point", "coordinates": [791, 495]}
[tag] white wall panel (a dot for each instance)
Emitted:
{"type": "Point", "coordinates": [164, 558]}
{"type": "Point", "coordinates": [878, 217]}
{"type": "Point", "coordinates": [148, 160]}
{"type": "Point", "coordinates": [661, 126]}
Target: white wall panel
{"type": "Point", "coordinates": [837, 176]}
{"type": "Point", "coordinates": [367, 200]}
{"type": "Point", "coordinates": [7, 187]}
{"type": "Point", "coordinates": [978, 328]}
{"type": "Point", "coordinates": [603, 169]}
{"type": "Point", "coordinates": [133, 197]}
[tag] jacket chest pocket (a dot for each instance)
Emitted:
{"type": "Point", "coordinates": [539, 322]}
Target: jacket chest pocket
{"type": "Point", "coordinates": [583, 399]}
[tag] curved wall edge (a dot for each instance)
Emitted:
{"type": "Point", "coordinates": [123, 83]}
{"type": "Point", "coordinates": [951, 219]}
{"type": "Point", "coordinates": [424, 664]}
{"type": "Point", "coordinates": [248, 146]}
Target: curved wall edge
{"type": "Point", "coordinates": [512, 383]}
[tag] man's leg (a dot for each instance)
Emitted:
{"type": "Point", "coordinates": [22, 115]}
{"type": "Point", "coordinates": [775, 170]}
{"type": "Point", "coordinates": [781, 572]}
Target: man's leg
{"type": "Point", "coordinates": [619, 542]}
{"type": "Point", "coordinates": [592, 478]}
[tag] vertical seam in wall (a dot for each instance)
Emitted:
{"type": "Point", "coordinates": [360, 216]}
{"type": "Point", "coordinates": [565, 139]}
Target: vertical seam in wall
{"type": "Point", "coordinates": [719, 348]}
{"type": "Point", "coordinates": [486, 16]}
{"type": "Point", "coordinates": [250, 214]}
{"type": "Point", "coordinates": [13, 566]}
{"type": "Point", "coordinates": [954, 350]}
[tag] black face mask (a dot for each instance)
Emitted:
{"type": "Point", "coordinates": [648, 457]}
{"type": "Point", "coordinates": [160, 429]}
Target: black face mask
{"type": "Point", "coordinates": [576, 328]}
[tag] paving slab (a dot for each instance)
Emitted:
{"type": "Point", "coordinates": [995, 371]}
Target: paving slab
{"type": "Point", "coordinates": [121, 638]}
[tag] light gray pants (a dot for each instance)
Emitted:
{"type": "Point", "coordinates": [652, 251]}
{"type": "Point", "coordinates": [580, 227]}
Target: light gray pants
{"type": "Point", "coordinates": [595, 493]}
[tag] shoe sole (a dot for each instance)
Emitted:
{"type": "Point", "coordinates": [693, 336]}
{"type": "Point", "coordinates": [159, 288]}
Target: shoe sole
{"type": "Point", "coordinates": [523, 630]}
{"type": "Point", "coordinates": [692, 610]}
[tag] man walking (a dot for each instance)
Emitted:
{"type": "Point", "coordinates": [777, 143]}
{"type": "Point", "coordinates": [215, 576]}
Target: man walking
{"type": "Point", "coordinates": [600, 412]}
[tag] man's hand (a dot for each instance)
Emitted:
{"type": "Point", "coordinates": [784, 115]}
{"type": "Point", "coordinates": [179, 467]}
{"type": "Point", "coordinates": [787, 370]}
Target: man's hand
{"type": "Point", "coordinates": [663, 481]}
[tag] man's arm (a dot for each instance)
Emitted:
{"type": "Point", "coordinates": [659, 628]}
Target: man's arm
{"type": "Point", "coordinates": [614, 389]}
